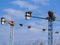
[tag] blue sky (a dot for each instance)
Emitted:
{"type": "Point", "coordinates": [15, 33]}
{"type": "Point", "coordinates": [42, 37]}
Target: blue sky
{"type": "Point", "coordinates": [15, 10]}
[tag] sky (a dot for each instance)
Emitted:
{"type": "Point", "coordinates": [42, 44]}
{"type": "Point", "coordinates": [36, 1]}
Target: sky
{"type": "Point", "coordinates": [15, 10]}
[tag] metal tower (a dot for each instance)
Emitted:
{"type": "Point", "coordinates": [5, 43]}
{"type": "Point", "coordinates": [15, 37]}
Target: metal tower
{"type": "Point", "coordinates": [50, 32]}
{"type": "Point", "coordinates": [50, 27]}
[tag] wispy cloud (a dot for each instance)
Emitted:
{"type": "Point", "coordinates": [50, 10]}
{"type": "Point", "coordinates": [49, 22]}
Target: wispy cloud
{"type": "Point", "coordinates": [25, 4]}
{"type": "Point", "coordinates": [7, 17]}
{"type": "Point", "coordinates": [43, 2]}
{"type": "Point", "coordinates": [14, 12]}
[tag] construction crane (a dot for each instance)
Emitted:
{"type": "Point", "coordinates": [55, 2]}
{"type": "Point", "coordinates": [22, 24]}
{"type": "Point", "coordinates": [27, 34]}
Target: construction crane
{"type": "Point", "coordinates": [50, 19]}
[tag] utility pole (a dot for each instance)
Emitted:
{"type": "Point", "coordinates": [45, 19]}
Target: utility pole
{"type": "Point", "coordinates": [11, 36]}
{"type": "Point", "coordinates": [11, 23]}
{"type": "Point", "coordinates": [11, 32]}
